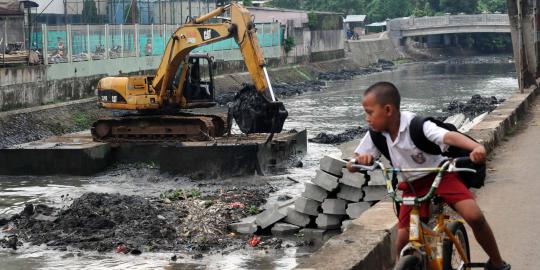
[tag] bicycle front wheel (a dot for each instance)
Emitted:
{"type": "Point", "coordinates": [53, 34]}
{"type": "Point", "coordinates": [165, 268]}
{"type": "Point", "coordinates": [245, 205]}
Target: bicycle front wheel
{"type": "Point", "coordinates": [408, 262]}
{"type": "Point", "coordinates": [451, 258]}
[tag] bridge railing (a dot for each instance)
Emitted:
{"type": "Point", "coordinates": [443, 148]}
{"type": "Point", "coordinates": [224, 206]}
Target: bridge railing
{"type": "Point", "coordinates": [411, 23]}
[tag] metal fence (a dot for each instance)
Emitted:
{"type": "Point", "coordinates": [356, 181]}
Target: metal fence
{"type": "Point", "coordinates": [73, 43]}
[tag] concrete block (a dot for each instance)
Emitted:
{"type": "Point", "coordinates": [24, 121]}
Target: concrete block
{"type": "Point", "coordinates": [244, 226]}
{"type": "Point", "coordinates": [296, 218]}
{"type": "Point", "coordinates": [318, 235]}
{"type": "Point", "coordinates": [354, 210]}
{"type": "Point", "coordinates": [314, 192]}
{"type": "Point", "coordinates": [281, 228]}
{"type": "Point", "coordinates": [345, 224]}
{"type": "Point", "coordinates": [376, 179]}
{"type": "Point", "coordinates": [325, 180]}
{"type": "Point", "coordinates": [349, 193]}
{"type": "Point", "coordinates": [352, 179]}
{"type": "Point", "coordinates": [325, 221]}
{"type": "Point", "coordinates": [312, 233]}
{"type": "Point", "coordinates": [374, 193]}
{"type": "Point", "coordinates": [334, 206]}
{"type": "Point", "coordinates": [269, 216]}
{"type": "Point", "coordinates": [307, 206]}
{"type": "Point", "coordinates": [332, 165]}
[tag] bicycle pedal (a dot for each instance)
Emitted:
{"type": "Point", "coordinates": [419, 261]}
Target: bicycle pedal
{"type": "Point", "coordinates": [472, 265]}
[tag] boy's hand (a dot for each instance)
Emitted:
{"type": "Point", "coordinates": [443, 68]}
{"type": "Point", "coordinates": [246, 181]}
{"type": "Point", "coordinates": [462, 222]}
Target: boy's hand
{"type": "Point", "coordinates": [478, 154]}
{"type": "Point", "coordinates": [364, 159]}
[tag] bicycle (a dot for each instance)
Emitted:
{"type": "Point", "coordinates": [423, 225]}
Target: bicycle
{"type": "Point", "coordinates": [443, 247]}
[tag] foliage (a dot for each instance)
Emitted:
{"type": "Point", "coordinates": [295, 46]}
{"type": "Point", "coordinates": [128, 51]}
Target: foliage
{"type": "Point", "coordinates": [379, 10]}
{"type": "Point", "coordinates": [89, 12]}
{"type": "Point", "coordinates": [247, 3]}
{"type": "Point", "coordinates": [313, 20]}
{"type": "Point", "coordinates": [492, 42]}
{"type": "Point", "coordinates": [291, 4]}
{"type": "Point", "coordinates": [492, 6]}
{"type": "Point", "coordinates": [288, 44]}
{"type": "Point", "coordinates": [180, 194]}
{"type": "Point", "coordinates": [81, 121]}
{"type": "Point", "coordinates": [253, 210]}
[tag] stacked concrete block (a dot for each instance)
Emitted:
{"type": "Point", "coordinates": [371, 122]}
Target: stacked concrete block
{"type": "Point", "coordinates": [330, 201]}
{"type": "Point", "coordinates": [351, 194]}
{"type": "Point", "coordinates": [269, 216]}
{"type": "Point", "coordinates": [281, 229]}
{"type": "Point", "coordinates": [374, 193]}
{"type": "Point", "coordinates": [325, 221]}
{"type": "Point", "coordinates": [314, 192]}
{"type": "Point", "coordinates": [334, 206]}
{"type": "Point", "coordinates": [354, 210]}
{"type": "Point", "coordinates": [357, 180]}
{"type": "Point", "coordinates": [307, 206]}
{"type": "Point", "coordinates": [296, 218]}
{"type": "Point", "coordinates": [326, 181]}
{"type": "Point", "coordinates": [332, 165]}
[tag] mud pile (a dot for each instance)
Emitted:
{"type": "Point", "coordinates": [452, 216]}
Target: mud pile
{"type": "Point", "coordinates": [475, 106]}
{"type": "Point", "coordinates": [347, 135]}
{"type": "Point", "coordinates": [178, 220]}
{"type": "Point", "coordinates": [280, 90]}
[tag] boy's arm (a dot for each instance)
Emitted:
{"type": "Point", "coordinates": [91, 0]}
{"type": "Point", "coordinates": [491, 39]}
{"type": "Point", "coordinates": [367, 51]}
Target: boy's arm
{"type": "Point", "coordinates": [445, 138]}
{"type": "Point", "coordinates": [478, 151]}
{"type": "Point", "coordinates": [365, 153]}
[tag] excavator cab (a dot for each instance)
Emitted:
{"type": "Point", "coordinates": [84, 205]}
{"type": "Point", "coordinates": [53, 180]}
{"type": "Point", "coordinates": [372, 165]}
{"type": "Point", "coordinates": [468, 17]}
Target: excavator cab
{"type": "Point", "coordinates": [199, 83]}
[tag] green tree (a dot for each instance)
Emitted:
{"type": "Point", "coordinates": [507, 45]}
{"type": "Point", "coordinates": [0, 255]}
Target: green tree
{"type": "Point", "coordinates": [458, 6]}
{"type": "Point", "coordinates": [380, 10]}
{"type": "Point", "coordinates": [89, 12]}
{"type": "Point", "coordinates": [247, 3]}
{"type": "Point", "coordinates": [492, 6]}
{"type": "Point", "coordinates": [292, 4]}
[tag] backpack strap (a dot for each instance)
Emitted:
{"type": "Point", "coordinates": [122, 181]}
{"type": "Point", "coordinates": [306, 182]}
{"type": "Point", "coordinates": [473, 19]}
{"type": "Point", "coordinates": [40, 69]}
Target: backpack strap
{"type": "Point", "coordinates": [416, 130]}
{"type": "Point", "coordinates": [380, 142]}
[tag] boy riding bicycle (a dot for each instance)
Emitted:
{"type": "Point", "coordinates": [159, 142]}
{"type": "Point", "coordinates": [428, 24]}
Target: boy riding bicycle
{"type": "Point", "coordinates": [381, 103]}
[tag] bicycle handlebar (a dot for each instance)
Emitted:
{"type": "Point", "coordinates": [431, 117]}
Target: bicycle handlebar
{"type": "Point", "coordinates": [447, 166]}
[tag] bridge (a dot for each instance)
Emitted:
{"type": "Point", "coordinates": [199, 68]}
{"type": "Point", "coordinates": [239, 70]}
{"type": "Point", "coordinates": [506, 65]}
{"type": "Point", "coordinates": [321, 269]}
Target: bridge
{"type": "Point", "coordinates": [448, 24]}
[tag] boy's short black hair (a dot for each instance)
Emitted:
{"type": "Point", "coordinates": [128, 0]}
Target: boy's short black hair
{"type": "Point", "coordinates": [385, 93]}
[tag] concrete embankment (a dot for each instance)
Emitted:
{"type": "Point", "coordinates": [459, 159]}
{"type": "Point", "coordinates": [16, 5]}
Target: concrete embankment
{"type": "Point", "coordinates": [368, 244]}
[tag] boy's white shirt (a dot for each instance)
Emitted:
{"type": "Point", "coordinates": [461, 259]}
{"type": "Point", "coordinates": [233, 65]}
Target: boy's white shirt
{"type": "Point", "coordinates": [403, 152]}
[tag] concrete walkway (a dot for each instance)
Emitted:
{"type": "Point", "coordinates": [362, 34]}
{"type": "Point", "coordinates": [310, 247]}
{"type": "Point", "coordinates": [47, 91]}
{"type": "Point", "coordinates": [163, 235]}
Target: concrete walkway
{"type": "Point", "coordinates": [511, 197]}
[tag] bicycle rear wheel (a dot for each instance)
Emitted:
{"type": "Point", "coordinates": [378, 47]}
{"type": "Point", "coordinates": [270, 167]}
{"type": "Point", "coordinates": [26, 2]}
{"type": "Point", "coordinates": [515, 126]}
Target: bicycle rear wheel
{"type": "Point", "coordinates": [451, 258]}
{"type": "Point", "coordinates": [408, 262]}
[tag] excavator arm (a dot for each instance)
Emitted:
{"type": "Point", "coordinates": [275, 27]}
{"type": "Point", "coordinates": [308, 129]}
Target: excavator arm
{"type": "Point", "coordinates": [197, 33]}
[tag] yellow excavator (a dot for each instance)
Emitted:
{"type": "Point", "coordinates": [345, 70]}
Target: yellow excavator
{"type": "Point", "coordinates": [184, 81]}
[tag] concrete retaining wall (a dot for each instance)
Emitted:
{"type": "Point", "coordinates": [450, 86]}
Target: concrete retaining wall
{"type": "Point", "coordinates": [369, 242]}
{"type": "Point", "coordinates": [366, 52]}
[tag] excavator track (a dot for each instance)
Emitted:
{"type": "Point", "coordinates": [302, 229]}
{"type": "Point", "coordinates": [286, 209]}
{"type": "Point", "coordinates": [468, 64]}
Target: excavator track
{"type": "Point", "coordinates": [156, 128]}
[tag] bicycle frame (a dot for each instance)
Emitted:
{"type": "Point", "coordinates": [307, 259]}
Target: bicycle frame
{"type": "Point", "coordinates": [418, 231]}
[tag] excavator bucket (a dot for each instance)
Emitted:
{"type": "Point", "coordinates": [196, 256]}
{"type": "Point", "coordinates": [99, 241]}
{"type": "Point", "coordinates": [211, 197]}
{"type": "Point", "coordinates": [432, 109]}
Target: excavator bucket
{"type": "Point", "coordinates": [254, 113]}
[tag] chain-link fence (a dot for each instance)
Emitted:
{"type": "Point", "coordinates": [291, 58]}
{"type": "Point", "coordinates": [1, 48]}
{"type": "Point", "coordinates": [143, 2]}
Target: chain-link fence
{"type": "Point", "coordinates": [74, 43]}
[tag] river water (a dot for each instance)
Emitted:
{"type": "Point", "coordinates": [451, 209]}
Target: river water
{"type": "Point", "coordinates": [425, 88]}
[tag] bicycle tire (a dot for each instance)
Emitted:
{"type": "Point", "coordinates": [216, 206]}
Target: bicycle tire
{"type": "Point", "coordinates": [459, 231]}
{"type": "Point", "coordinates": [408, 262]}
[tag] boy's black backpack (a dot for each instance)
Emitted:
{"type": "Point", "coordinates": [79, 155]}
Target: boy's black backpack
{"type": "Point", "coordinates": [416, 130]}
